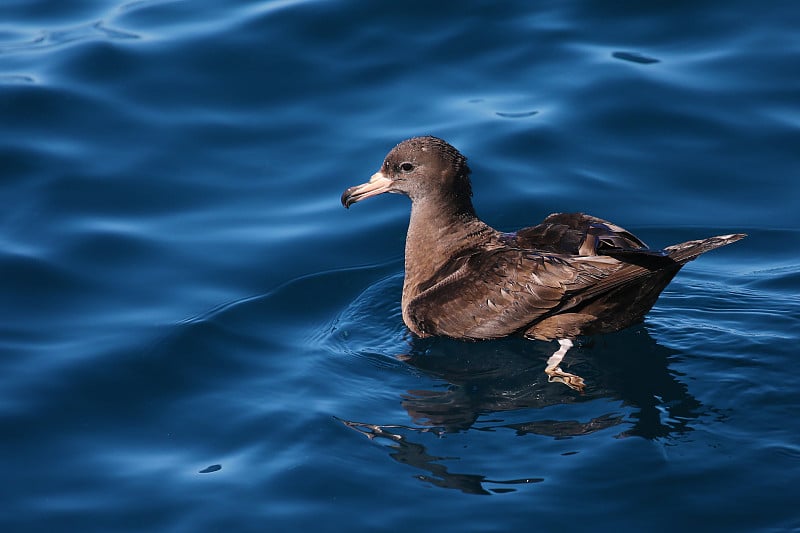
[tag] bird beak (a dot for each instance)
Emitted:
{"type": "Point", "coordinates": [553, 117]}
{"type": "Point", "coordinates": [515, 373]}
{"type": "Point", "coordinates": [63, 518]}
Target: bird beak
{"type": "Point", "coordinates": [377, 184]}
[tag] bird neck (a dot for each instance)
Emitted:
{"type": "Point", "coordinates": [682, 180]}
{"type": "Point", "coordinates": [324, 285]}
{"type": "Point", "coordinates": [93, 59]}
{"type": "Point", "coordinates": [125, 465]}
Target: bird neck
{"type": "Point", "coordinates": [437, 234]}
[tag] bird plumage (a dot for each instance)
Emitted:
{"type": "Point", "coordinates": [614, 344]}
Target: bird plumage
{"type": "Point", "coordinates": [573, 274]}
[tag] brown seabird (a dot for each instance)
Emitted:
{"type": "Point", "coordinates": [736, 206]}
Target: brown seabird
{"type": "Point", "coordinates": [571, 275]}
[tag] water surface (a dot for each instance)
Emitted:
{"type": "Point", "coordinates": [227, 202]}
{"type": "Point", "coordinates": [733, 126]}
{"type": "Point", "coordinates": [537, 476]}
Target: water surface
{"type": "Point", "coordinates": [195, 335]}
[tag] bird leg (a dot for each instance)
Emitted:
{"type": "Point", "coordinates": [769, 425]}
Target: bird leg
{"type": "Point", "coordinates": [556, 374]}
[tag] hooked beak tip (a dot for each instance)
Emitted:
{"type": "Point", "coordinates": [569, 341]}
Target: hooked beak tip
{"type": "Point", "coordinates": [347, 198]}
{"type": "Point", "coordinates": [377, 184]}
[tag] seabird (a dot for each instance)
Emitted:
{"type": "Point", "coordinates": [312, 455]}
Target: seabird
{"type": "Point", "coordinates": [571, 275]}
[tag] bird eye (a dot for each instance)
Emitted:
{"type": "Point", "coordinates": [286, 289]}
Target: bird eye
{"type": "Point", "coordinates": [406, 167]}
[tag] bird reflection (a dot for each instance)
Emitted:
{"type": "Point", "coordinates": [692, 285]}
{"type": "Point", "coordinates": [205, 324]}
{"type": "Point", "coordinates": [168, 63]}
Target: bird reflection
{"type": "Point", "coordinates": [408, 452]}
{"type": "Point", "coordinates": [506, 375]}
{"type": "Point", "coordinates": [480, 381]}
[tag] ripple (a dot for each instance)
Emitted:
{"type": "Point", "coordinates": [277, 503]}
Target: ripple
{"type": "Point", "coordinates": [49, 39]}
{"type": "Point", "coordinates": [783, 279]}
{"type": "Point", "coordinates": [521, 114]}
{"type": "Point", "coordinates": [635, 57]}
{"type": "Point", "coordinates": [11, 79]}
{"type": "Point", "coordinates": [165, 157]}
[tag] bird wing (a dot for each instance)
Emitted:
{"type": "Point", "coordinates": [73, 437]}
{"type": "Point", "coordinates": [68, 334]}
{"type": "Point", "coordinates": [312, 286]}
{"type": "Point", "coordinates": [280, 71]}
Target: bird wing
{"type": "Point", "coordinates": [494, 293]}
{"type": "Point", "coordinates": [566, 232]}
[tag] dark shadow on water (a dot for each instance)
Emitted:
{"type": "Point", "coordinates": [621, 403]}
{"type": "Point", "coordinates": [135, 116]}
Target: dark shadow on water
{"type": "Point", "coordinates": [508, 375]}
{"type": "Point", "coordinates": [481, 381]}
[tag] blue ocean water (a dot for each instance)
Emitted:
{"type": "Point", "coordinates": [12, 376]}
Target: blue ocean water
{"type": "Point", "coordinates": [195, 335]}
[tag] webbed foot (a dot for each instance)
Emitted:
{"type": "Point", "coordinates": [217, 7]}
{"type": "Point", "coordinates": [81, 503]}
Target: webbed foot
{"type": "Point", "coordinates": [559, 376]}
